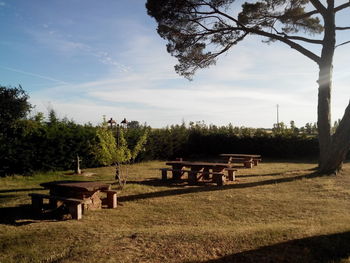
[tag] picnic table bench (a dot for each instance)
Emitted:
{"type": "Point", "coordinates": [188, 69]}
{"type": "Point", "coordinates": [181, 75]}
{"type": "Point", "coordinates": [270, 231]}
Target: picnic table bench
{"type": "Point", "coordinates": [248, 160]}
{"type": "Point", "coordinates": [200, 171]}
{"type": "Point", "coordinates": [78, 196]}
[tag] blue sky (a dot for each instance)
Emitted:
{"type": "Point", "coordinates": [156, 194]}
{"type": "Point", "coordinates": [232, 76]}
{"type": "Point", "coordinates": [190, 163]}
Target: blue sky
{"type": "Point", "coordinates": [87, 58]}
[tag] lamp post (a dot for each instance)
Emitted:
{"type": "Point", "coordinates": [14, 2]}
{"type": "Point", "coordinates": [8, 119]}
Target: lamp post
{"type": "Point", "coordinates": [123, 123]}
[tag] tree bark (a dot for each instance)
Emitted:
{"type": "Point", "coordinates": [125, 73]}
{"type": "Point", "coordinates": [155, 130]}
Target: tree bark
{"type": "Point", "coordinates": [339, 147]}
{"type": "Point", "coordinates": [324, 114]}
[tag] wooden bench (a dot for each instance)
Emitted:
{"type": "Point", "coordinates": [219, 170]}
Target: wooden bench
{"type": "Point", "coordinates": [218, 177]}
{"type": "Point", "coordinates": [74, 205]}
{"type": "Point", "coordinates": [247, 162]}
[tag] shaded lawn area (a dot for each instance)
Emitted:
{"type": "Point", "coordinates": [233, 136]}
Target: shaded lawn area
{"type": "Point", "coordinates": [275, 212]}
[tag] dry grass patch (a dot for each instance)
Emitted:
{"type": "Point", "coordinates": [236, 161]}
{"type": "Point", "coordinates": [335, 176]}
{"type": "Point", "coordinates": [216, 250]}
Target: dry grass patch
{"type": "Point", "coordinates": [275, 212]}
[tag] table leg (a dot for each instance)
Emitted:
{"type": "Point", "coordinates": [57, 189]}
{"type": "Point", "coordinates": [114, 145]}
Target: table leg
{"type": "Point", "coordinates": [206, 173]}
{"type": "Point", "coordinates": [231, 174]}
{"type": "Point", "coordinates": [248, 163]}
{"type": "Point", "coordinates": [37, 203]}
{"type": "Point", "coordinates": [76, 211]}
{"type": "Point", "coordinates": [111, 199]}
{"type": "Point", "coordinates": [177, 174]}
{"type": "Point", "coordinates": [219, 179]}
{"type": "Point", "coordinates": [192, 175]}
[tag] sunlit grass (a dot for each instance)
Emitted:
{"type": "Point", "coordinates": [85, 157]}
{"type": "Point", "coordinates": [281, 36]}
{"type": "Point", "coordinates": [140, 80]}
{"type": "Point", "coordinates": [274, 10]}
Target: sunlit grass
{"type": "Point", "coordinates": [277, 211]}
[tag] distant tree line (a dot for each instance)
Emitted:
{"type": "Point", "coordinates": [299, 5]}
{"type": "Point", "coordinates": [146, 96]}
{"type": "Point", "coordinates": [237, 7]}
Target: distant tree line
{"type": "Point", "coordinates": [43, 143]}
{"type": "Point", "coordinates": [201, 140]}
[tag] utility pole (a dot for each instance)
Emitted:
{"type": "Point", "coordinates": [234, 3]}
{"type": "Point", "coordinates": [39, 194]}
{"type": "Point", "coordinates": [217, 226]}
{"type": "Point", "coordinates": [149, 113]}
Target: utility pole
{"type": "Point", "coordinates": [278, 121]}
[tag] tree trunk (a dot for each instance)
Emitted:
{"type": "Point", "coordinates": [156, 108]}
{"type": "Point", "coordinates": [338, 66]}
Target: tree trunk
{"type": "Point", "coordinates": [324, 113]}
{"type": "Point", "coordinates": [324, 91]}
{"type": "Point", "coordinates": [339, 147]}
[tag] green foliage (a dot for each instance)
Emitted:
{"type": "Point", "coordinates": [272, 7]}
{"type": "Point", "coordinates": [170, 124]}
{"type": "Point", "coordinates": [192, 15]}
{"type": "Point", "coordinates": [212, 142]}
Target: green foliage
{"type": "Point", "coordinates": [140, 144]}
{"type": "Point", "coordinates": [199, 140]}
{"type": "Point", "coordinates": [199, 31]}
{"type": "Point", "coordinates": [105, 150]}
{"type": "Point", "coordinates": [123, 153]}
{"type": "Point", "coordinates": [14, 105]}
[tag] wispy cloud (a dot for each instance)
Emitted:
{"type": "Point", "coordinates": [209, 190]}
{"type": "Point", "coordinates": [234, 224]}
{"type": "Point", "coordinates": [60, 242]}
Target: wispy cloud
{"type": "Point", "coordinates": [35, 75]}
{"type": "Point", "coordinates": [53, 39]}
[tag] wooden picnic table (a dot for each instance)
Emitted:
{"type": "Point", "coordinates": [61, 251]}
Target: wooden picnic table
{"type": "Point", "coordinates": [85, 190]}
{"type": "Point", "coordinates": [201, 170]}
{"type": "Point", "coordinates": [247, 159]}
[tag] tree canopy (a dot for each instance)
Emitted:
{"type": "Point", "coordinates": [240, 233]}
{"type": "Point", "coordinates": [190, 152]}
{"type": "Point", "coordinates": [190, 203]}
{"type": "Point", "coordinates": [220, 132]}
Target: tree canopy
{"type": "Point", "coordinates": [198, 31]}
{"type": "Point", "coordinates": [14, 105]}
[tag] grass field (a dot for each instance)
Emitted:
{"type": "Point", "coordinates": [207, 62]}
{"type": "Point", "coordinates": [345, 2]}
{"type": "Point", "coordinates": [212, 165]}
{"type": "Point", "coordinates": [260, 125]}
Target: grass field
{"type": "Point", "coordinates": [275, 212]}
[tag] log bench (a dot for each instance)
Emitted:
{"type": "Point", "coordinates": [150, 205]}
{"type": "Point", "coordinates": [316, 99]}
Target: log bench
{"type": "Point", "coordinates": [247, 162]}
{"type": "Point", "coordinates": [74, 205]}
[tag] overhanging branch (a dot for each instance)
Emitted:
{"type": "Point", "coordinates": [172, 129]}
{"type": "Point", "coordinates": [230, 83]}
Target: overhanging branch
{"type": "Point", "coordinates": [312, 41]}
{"type": "Point", "coordinates": [287, 41]}
{"type": "Point", "coordinates": [341, 7]}
{"type": "Point", "coordinates": [342, 28]}
{"type": "Point", "coordinates": [342, 44]}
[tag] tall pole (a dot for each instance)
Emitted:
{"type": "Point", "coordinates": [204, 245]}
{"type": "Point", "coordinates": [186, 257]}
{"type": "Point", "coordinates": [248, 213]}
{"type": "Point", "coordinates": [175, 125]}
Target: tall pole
{"type": "Point", "coordinates": [278, 122]}
{"type": "Point", "coordinates": [117, 167]}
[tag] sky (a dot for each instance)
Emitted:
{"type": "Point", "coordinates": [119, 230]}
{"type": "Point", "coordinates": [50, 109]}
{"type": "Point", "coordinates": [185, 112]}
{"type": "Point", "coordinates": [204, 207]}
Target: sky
{"type": "Point", "coordinates": [87, 59]}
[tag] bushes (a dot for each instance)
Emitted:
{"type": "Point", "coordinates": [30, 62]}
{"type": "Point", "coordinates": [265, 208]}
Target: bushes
{"type": "Point", "coordinates": [200, 140]}
{"type": "Point", "coordinates": [32, 144]}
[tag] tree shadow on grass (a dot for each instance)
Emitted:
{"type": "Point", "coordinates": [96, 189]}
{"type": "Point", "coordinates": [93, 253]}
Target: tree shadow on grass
{"type": "Point", "coordinates": [21, 190]}
{"type": "Point", "coordinates": [211, 188]}
{"type": "Point", "coordinates": [323, 248]}
{"type": "Point", "coordinates": [17, 216]}
{"type": "Point", "coordinates": [24, 215]}
{"type": "Point", "coordinates": [311, 170]}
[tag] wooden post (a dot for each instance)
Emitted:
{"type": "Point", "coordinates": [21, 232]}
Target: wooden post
{"type": "Point", "coordinates": [77, 167]}
{"type": "Point", "coordinates": [111, 199]}
{"type": "Point", "coordinates": [219, 179]}
{"type": "Point", "coordinates": [164, 174]}
{"type": "Point", "coordinates": [75, 209]}
{"type": "Point", "coordinates": [231, 174]}
{"type": "Point", "coordinates": [248, 163]}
